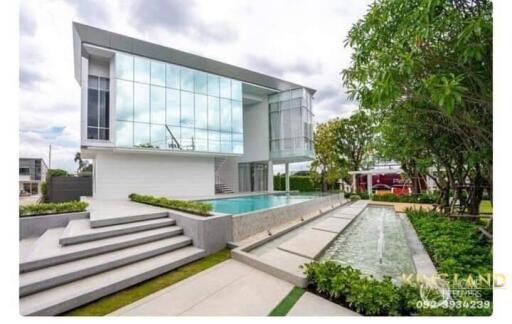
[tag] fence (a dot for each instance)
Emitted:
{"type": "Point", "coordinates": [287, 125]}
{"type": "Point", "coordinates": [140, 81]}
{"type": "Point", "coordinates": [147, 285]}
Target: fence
{"type": "Point", "coordinates": [62, 189]}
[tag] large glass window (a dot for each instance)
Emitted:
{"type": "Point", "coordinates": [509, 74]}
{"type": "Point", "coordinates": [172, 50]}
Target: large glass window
{"type": "Point", "coordinates": [187, 109]}
{"type": "Point", "coordinates": [187, 79]}
{"type": "Point", "coordinates": [200, 79]}
{"type": "Point", "coordinates": [141, 70]}
{"type": "Point", "coordinates": [157, 105]}
{"type": "Point", "coordinates": [141, 134]}
{"type": "Point", "coordinates": [225, 88]}
{"type": "Point", "coordinates": [237, 120]}
{"type": "Point", "coordinates": [173, 76]}
{"type": "Point", "coordinates": [124, 134]}
{"type": "Point", "coordinates": [157, 73]}
{"type": "Point", "coordinates": [213, 85]}
{"type": "Point", "coordinates": [291, 130]}
{"type": "Point", "coordinates": [201, 111]}
{"type": "Point", "coordinates": [124, 100]}
{"type": "Point", "coordinates": [173, 107]}
{"type": "Point", "coordinates": [213, 113]}
{"type": "Point", "coordinates": [165, 106]}
{"type": "Point", "coordinates": [141, 102]}
{"type": "Point", "coordinates": [98, 112]}
{"type": "Point", "coordinates": [124, 67]}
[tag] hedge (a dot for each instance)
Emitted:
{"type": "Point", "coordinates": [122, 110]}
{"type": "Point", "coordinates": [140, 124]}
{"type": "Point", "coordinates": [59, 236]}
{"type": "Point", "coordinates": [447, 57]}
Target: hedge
{"type": "Point", "coordinates": [53, 208]}
{"type": "Point", "coordinates": [300, 183]}
{"type": "Point", "coordinates": [424, 198]}
{"type": "Point", "coordinates": [194, 207]}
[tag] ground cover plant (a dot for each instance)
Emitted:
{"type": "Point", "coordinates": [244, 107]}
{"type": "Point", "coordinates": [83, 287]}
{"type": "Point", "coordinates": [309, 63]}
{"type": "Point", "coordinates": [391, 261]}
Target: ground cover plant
{"type": "Point", "coordinates": [194, 207]}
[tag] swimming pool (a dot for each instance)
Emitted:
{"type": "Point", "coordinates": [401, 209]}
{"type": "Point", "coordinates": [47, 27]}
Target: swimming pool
{"type": "Point", "coordinates": [246, 204]}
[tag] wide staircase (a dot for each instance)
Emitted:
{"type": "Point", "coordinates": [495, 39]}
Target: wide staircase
{"type": "Point", "coordinates": [71, 266]}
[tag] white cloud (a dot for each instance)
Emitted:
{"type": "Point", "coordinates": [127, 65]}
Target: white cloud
{"type": "Point", "coordinates": [302, 40]}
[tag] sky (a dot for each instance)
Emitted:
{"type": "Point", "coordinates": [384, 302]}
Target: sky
{"type": "Point", "coordinates": [297, 40]}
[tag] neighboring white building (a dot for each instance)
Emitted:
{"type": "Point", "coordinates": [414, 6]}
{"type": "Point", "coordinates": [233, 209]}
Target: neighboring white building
{"type": "Point", "coordinates": [32, 171]}
{"type": "Point", "coordinates": [159, 121]}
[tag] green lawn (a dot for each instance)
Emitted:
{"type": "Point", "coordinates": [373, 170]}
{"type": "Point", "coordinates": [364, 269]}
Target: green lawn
{"type": "Point", "coordinates": [127, 296]}
{"type": "Point", "coordinates": [485, 206]}
{"type": "Point", "coordinates": [287, 303]}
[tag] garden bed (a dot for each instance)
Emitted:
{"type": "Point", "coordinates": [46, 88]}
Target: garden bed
{"type": "Point", "coordinates": [193, 207]}
{"type": "Point", "coordinates": [40, 209]}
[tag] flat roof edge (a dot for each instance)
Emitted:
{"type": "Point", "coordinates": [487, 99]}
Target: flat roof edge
{"type": "Point", "coordinates": [88, 34]}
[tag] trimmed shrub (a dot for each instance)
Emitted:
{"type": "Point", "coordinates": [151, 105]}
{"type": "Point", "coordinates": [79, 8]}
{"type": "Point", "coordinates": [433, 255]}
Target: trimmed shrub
{"type": "Point", "coordinates": [364, 294]}
{"type": "Point", "coordinates": [300, 183]}
{"type": "Point", "coordinates": [355, 197]}
{"type": "Point", "coordinates": [424, 198]}
{"type": "Point", "coordinates": [53, 208]}
{"type": "Point", "coordinates": [194, 207]}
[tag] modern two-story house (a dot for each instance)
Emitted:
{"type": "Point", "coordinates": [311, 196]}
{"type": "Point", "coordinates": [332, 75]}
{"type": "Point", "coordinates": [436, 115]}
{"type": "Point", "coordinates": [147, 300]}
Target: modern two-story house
{"type": "Point", "coordinates": [160, 121]}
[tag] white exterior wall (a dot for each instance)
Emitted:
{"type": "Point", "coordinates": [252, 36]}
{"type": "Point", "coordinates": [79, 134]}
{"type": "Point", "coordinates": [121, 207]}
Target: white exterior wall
{"type": "Point", "coordinates": [119, 174]}
{"type": "Point", "coordinates": [228, 173]}
{"type": "Point", "coordinates": [256, 133]}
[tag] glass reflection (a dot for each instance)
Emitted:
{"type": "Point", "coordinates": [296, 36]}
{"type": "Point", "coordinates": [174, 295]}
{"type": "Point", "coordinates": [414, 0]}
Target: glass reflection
{"type": "Point", "coordinates": [154, 99]}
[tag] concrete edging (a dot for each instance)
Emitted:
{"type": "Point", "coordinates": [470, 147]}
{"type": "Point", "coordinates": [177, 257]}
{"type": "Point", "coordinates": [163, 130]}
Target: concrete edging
{"type": "Point", "coordinates": [248, 224]}
{"type": "Point", "coordinates": [34, 226]}
{"type": "Point", "coordinates": [242, 253]}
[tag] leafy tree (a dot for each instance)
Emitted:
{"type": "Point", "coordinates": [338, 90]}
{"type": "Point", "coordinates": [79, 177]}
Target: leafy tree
{"type": "Point", "coordinates": [354, 139]}
{"type": "Point", "coordinates": [424, 69]}
{"type": "Point", "coordinates": [326, 168]}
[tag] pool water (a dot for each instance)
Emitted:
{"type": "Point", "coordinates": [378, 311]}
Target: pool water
{"type": "Point", "coordinates": [374, 235]}
{"type": "Point", "coordinates": [240, 205]}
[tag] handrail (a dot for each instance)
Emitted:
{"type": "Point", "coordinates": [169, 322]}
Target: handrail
{"type": "Point", "coordinates": [175, 141]}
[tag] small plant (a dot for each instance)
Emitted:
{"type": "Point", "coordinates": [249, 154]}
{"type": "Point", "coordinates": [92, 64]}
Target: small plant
{"type": "Point", "coordinates": [53, 208]}
{"type": "Point", "coordinates": [194, 207]}
{"type": "Point", "coordinates": [355, 197]}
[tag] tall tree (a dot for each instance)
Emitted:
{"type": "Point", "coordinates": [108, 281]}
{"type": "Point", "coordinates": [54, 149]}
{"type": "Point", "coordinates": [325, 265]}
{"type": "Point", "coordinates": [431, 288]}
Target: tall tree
{"type": "Point", "coordinates": [326, 168]}
{"type": "Point", "coordinates": [354, 139]}
{"type": "Point", "coordinates": [425, 68]}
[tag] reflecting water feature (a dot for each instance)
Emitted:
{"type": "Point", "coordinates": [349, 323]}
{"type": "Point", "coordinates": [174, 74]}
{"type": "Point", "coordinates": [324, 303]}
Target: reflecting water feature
{"type": "Point", "coordinates": [358, 246]}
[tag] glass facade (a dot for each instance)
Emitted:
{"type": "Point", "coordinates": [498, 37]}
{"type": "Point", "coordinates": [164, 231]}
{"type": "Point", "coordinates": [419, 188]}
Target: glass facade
{"type": "Point", "coordinates": [291, 124]}
{"type": "Point", "coordinates": [165, 106]}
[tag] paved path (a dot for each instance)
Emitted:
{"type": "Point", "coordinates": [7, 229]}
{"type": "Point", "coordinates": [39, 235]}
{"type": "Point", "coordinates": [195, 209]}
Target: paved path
{"type": "Point", "coordinates": [312, 305]}
{"type": "Point", "coordinates": [228, 289]}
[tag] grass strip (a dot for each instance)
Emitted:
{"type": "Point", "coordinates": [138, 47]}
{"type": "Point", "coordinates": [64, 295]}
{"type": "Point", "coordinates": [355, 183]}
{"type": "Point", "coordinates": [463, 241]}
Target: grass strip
{"type": "Point", "coordinates": [287, 303]}
{"type": "Point", "coordinates": [110, 303]}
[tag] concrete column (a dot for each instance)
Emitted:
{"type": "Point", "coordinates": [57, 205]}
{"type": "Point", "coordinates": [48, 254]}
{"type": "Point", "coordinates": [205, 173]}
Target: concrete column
{"type": "Point", "coordinates": [270, 185]}
{"type": "Point", "coordinates": [369, 183]}
{"type": "Point", "coordinates": [354, 183]}
{"type": "Point", "coordinates": [287, 177]}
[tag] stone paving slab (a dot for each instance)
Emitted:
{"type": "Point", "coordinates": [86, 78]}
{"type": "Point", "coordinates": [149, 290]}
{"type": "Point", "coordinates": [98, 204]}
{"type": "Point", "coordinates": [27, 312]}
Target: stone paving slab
{"type": "Point", "coordinates": [178, 298]}
{"type": "Point", "coordinates": [345, 216]}
{"type": "Point", "coordinates": [332, 224]}
{"type": "Point", "coordinates": [312, 305]}
{"type": "Point", "coordinates": [229, 288]}
{"type": "Point", "coordinates": [255, 294]}
{"type": "Point", "coordinates": [285, 260]}
{"type": "Point", "coordinates": [309, 243]}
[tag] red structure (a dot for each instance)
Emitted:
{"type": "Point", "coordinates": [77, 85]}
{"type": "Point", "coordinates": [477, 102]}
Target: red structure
{"type": "Point", "coordinates": [389, 180]}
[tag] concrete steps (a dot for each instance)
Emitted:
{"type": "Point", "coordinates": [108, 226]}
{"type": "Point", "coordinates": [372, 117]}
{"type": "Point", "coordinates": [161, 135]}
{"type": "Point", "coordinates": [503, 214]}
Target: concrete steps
{"type": "Point", "coordinates": [38, 280]}
{"type": "Point", "coordinates": [47, 251]}
{"type": "Point", "coordinates": [104, 219]}
{"type": "Point", "coordinates": [71, 295]}
{"type": "Point", "coordinates": [80, 230]}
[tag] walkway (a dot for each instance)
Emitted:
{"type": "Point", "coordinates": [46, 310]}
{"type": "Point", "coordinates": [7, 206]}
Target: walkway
{"type": "Point", "coordinates": [228, 289]}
